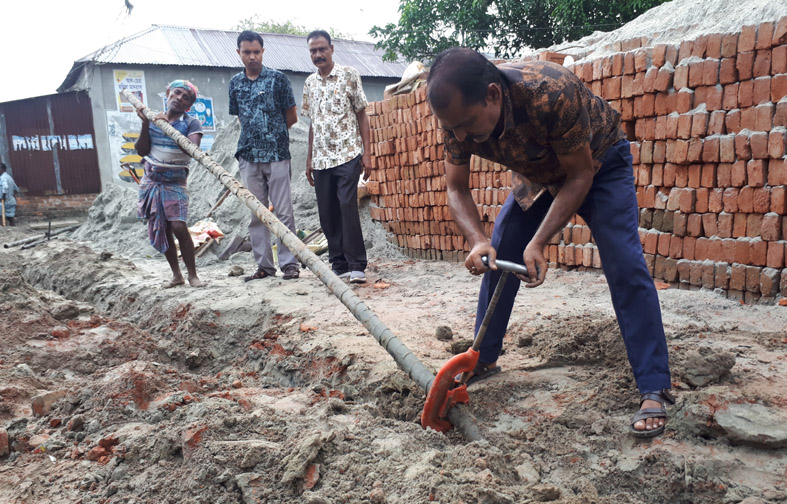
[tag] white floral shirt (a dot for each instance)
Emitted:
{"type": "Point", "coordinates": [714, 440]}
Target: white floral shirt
{"type": "Point", "coordinates": [331, 104]}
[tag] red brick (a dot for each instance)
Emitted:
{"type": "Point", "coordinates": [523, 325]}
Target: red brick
{"type": "Point", "coordinates": [778, 87]}
{"type": "Point", "coordinates": [732, 121]}
{"type": "Point", "coordinates": [738, 277]}
{"type": "Point", "coordinates": [684, 125]}
{"type": "Point", "coordinates": [686, 49]}
{"type": "Point", "coordinates": [709, 224]}
{"type": "Point", "coordinates": [694, 225]}
{"type": "Point", "coordinates": [643, 175]}
{"type": "Point", "coordinates": [776, 142]}
{"type": "Point", "coordinates": [677, 151]}
{"type": "Point", "coordinates": [775, 257]}
{"type": "Point", "coordinates": [771, 228]}
{"type": "Point", "coordinates": [739, 225]}
{"type": "Point", "coordinates": [727, 148]}
{"type": "Point", "coordinates": [758, 143]}
{"type": "Point", "coordinates": [689, 244]}
{"type": "Point", "coordinates": [778, 202]}
{"type": "Point", "coordinates": [672, 125]}
{"type": "Point", "coordinates": [701, 205]}
{"type": "Point", "coordinates": [617, 64]}
{"type": "Point", "coordinates": [754, 228]}
{"type": "Point", "coordinates": [742, 251]}
{"type": "Point", "coordinates": [769, 282]}
{"type": "Point", "coordinates": [716, 123]}
{"type": "Point", "coordinates": [664, 77]}
{"type": "Point", "coordinates": [761, 199]}
{"type": "Point", "coordinates": [761, 92]}
{"type": "Point", "coordinates": [747, 39]}
{"type": "Point", "coordinates": [673, 201]}
{"type": "Point", "coordinates": [749, 118]}
{"type": "Point", "coordinates": [701, 249]}
{"type": "Point", "coordinates": [699, 124]}
{"type": "Point", "coordinates": [764, 117]}
{"type": "Point", "coordinates": [663, 246]}
{"type": "Point", "coordinates": [710, 72]}
{"type": "Point", "coordinates": [695, 73]}
{"type": "Point", "coordinates": [716, 200]}
{"type": "Point", "coordinates": [713, 49]}
{"type": "Point", "coordinates": [753, 278]}
{"type": "Point", "coordinates": [742, 150]}
{"type": "Point", "coordinates": [765, 33]}
{"type": "Point", "coordinates": [669, 174]}
{"type": "Point", "coordinates": [710, 149]}
{"type": "Point", "coordinates": [708, 176]}
{"type": "Point", "coordinates": [723, 173]}
{"type": "Point", "coordinates": [651, 242]}
{"type": "Point", "coordinates": [675, 247]}
{"type": "Point", "coordinates": [684, 101]}
{"type": "Point", "coordinates": [779, 59]}
{"type": "Point", "coordinates": [679, 222]}
{"type": "Point", "coordinates": [659, 151]}
{"type": "Point", "coordinates": [728, 73]}
{"type": "Point", "coordinates": [758, 254]}
{"type": "Point", "coordinates": [757, 172]}
{"type": "Point", "coordinates": [730, 99]}
{"type": "Point", "coordinates": [729, 45]}
{"type": "Point", "coordinates": [724, 225]}
{"type": "Point", "coordinates": [762, 63]}
{"type": "Point", "coordinates": [777, 172]}
{"type": "Point", "coordinates": [657, 175]}
{"type": "Point", "coordinates": [730, 199]}
{"type": "Point", "coordinates": [780, 33]}
{"type": "Point", "coordinates": [611, 88]}
{"type": "Point", "coordinates": [745, 199]}
{"type": "Point", "coordinates": [780, 116]}
{"type": "Point", "coordinates": [665, 103]}
{"type": "Point", "coordinates": [744, 63]}
{"type": "Point", "coordinates": [746, 93]}
{"type": "Point", "coordinates": [646, 151]}
{"type": "Point", "coordinates": [721, 277]}
{"type": "Point", "coordinates": [642, 59]}
{"type": "Point", "coordinates": [680, 79]}
{"type": "Point", "coordinates": [711, 96]}
{"type": "Point", "coordinates": [727, 250]}
{"type": "Point", "coordinates": [694, 175]}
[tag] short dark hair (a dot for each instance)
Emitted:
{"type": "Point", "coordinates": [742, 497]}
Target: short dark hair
{"type": "Point", "coordinates": [250, 36]}
{"type": "Point", "coordinates": [2, 167]}
{"type": "Point", "coordinates": [319, 33]}
{"type": "Point", "coordinates": [467, 71]}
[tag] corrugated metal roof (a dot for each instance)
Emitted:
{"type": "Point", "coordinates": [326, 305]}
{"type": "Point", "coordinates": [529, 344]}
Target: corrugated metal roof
{"type": "Point", "coordinates": [181, 46]}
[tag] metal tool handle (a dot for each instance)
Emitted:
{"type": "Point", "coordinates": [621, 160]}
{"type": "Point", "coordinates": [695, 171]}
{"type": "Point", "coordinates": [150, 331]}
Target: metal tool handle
{"type": "Point", "coordinates": [506, 266]}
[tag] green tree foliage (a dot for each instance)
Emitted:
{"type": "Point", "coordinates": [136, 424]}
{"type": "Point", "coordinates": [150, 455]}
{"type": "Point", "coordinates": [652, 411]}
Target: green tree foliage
{"type": "Point", "coordinates": [502, 27]}
{"type": "Point", "coordinates": [256, 23]}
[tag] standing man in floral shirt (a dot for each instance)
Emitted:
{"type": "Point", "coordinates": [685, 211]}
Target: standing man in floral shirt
{"type": "Point", "coordinates": [334, 101]}
{"type": "Point", "coordinates": [262, 99]}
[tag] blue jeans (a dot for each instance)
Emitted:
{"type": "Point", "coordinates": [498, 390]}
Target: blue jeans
{"type": "Point", "coordinates": [610, 209]}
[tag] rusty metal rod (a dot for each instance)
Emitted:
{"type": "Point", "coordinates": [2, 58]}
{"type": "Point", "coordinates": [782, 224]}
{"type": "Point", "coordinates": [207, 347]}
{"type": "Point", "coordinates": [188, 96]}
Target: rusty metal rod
{"type": "Point", "coordinates": [459, 415]}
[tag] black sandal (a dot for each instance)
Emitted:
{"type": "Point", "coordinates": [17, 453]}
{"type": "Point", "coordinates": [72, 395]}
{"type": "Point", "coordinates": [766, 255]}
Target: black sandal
{"type": "Point", "coordinates": [257, 275]}
{"type": "Point", "coordinates": [661, 396]}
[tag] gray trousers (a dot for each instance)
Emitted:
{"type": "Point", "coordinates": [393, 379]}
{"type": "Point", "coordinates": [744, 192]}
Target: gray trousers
{"type": "Point", "coordinates": [269, 181]}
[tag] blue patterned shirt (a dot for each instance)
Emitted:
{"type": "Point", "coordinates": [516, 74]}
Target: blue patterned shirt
{"type": "Point", "coordinates": [261, 105]}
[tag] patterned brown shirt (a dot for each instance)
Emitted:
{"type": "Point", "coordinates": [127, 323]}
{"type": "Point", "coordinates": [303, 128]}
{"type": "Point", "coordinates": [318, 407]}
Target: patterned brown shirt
{"type": "Point", "coordinates": [548, 111]}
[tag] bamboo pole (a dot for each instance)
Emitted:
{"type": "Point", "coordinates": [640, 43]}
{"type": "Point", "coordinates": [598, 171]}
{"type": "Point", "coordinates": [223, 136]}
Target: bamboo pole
{"type": "Point", "coordinates": [459, 415]}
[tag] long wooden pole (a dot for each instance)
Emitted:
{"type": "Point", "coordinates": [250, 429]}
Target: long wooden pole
{"type": "Point", "coordinates": [459, 415]}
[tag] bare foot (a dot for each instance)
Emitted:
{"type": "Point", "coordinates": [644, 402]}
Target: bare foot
{"type": "Point", "coordinates": [178, 280]}
{"type": "Point", "coordinates": [650, 423]}
{"type": "Point", "coordinates": [194, 281]}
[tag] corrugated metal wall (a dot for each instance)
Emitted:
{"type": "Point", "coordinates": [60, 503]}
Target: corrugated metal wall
{"type": "Point", "coordinates": [51, 144]}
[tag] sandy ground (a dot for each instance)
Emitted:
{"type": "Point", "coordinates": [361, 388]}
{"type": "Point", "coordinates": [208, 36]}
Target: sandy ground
{"type": "Point", "coordinates": [271, 391]}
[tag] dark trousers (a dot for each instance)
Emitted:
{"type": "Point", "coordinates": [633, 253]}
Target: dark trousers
{"type": "Point", "coordinates": [337, 204]}
{"type": "Point", "coordinates": [610, 209]}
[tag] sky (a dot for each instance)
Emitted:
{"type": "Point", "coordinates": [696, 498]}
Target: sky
{"type": "Point", "coordinates": [41, 39]}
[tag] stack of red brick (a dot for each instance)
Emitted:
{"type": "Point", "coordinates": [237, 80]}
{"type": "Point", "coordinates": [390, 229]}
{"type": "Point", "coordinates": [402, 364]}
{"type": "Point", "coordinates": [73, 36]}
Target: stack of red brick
{"type": "Point", "coordinates": [407, 185]}
{"type": "Point", "coordinates": [706, 118]}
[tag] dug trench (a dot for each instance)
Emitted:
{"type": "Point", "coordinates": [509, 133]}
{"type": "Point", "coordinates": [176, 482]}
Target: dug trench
{"type": "Point", "coordinates": [115, 390]}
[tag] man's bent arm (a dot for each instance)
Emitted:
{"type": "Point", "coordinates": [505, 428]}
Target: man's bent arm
{"type": "Point", "coordinates": [291, 116]}
{"type": "Point", "coordinates": [309, 157]}
{"type": "Point", "coordinates": [579, 177]}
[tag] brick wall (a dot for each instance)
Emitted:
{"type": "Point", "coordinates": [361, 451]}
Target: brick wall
{"type": "Point", "coordinates": [52, 207]}
{"type": "Point", "coordinates": [707, 119]}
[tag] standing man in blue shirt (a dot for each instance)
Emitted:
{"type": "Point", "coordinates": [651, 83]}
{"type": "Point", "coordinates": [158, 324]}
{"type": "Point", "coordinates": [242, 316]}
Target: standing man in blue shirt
{"type": "Point", "coordinates": [263, 101]}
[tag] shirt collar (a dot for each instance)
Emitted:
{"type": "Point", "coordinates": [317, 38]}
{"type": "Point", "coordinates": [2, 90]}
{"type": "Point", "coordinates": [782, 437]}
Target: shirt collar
{"type": "Point", "coordinates": [333, 73]}
{"type": "Point", "coordinates": [508, 121]}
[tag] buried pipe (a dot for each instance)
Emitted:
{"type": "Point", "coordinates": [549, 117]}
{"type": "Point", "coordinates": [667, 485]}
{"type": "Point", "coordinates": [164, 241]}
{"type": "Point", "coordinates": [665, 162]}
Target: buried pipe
{"type": "Point", "coordinates": [459, 415]}
{"type": "Point", "coordinates": [32, 241]}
